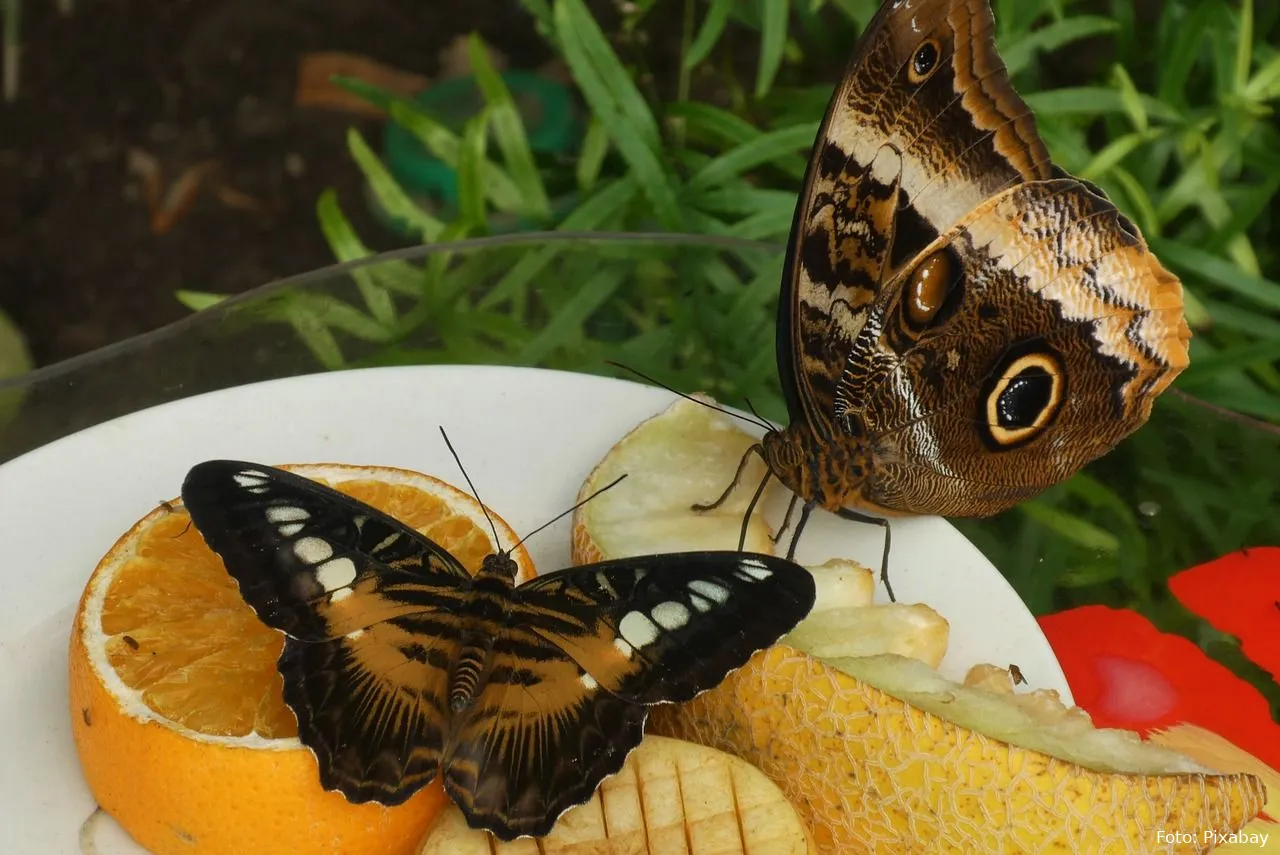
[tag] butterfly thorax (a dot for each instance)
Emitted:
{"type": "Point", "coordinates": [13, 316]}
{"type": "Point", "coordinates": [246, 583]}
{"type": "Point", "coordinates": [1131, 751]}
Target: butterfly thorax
{"type": "Point", "coordinates": [488, 609]}
{"type": "Point", "coordinates": [830, 473]}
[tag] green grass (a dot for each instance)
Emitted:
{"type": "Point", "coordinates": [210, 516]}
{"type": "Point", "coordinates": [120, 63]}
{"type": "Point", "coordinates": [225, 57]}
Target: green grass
{"type": "Point", "coordinates": [1173, 115]}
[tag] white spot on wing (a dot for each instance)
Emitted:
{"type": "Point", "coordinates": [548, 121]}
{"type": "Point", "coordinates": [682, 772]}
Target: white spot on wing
{"type": "Point", "coordinates": [387, 541]}
{"type": "Point", "coordinates": [670, 615]}
{"type": "Point", "coordinates": [637, 629]}
{"type": "Point", "coordinates": [290, 529]}
{"type": "Point", "coordinates": [705, 590]}
{"type": "Point", "coordinates": [339, 595]}
{"type": "Point", "coordinates": [354, 634]}
{"type": "Point", "coordinates": [622, 647]}
{"type": "Point", "coordinates": [286, 513]}
{"type": "Point", "coordinates": [335, 574]}
{"type": "Point", "coordinates": [312, 550]}
{"type": "Point", "coordinates": [602, 579]}
{"type": "Point", "coordinates": [588, 682]}
{"type": "Point", "coordinates": [250, 478]}
{"type": "Point", "coordinates": [756, 571]}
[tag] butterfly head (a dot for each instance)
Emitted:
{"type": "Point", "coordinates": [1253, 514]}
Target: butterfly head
{"type": "Point", "coordinates": [830, 474]}
{"type": "Point", "coordinates": [499, 565]}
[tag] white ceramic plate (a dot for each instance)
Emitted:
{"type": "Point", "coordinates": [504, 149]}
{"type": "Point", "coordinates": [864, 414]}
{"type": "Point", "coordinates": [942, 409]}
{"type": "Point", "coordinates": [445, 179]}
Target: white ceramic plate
{"type": "Point", "coordinates": [528, 439]}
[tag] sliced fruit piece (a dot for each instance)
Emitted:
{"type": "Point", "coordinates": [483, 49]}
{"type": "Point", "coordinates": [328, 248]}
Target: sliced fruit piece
{"type": "Point", "coordinates": [841, 583]}
{"type": "Point", "coordinates": [670, 797]}
{"type": "Point", "coordinates": [893, 758]}
{"type": "Point", "coordinates": [176, 705]}
{"type": "Point", "coordinates": [908, 629]}
{"type": "Point", "coordinates": [684, 456]}
{"type": "Point", "coordinates": [888, 756]}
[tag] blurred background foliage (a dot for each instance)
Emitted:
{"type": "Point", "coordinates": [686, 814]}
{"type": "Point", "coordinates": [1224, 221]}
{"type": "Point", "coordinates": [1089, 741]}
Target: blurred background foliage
{"type": "Point", "coordinates": [1169, 106]}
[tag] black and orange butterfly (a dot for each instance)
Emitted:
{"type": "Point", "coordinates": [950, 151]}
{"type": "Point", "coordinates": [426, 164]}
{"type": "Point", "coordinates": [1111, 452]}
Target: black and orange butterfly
{"type": "Point", "coordinates": [401, 666]}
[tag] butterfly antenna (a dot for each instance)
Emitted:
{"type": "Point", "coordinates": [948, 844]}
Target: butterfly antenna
{"type": "Point", "coordinates": [752, 408]}
{"type": "Point", "coordinates": [558, 517]}
{"type": "Point", "coordinates": [764, 425]}
{"type": "Point", "coordinates": [496, 540]}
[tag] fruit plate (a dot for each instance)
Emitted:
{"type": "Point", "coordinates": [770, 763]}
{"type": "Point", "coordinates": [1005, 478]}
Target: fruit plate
{"type": "Point", "coordinates": [528, 437]}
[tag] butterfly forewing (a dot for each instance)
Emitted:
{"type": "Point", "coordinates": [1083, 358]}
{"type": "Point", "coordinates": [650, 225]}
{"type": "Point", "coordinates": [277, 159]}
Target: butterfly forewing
{"type": "Point", "coordinates": [662, 628]}
{"type": "Point", "coordinates": [310, 560]}
{"type": "Point", "coordinates": [924, 126]}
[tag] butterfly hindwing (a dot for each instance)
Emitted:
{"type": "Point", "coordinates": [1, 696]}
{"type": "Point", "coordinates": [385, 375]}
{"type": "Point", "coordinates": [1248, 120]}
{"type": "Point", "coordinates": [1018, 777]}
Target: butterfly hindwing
{"type": "Point", "coordinates": [372, 706]}
{"type": "Point", "coordinates": [1053, 330]}
{"type": "Point", "coordinates": [538, 738]}
{"type": "Point", "coordinates": [310, 560]}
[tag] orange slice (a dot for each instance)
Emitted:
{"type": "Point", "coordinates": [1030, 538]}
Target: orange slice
{"type": "Point", "coordinates": [176, 706]}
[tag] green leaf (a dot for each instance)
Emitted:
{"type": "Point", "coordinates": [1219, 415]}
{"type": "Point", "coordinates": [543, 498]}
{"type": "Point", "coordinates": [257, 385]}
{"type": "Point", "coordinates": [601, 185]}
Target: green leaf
{"type": "Point", "coordinates": [566, 324]}
{"type": "Point", "coordinates": [1265, 85]}
{"type": "Point", "coordinates": [718, 127]}
{"type": "Point", "coordinates": [608, 202]}
{"type": "Point", "coordinates": [1264, 292]}
{"type": "Point", "coordinates": [347, 247]}
{"type": "Point", "coordinates": [595, 145]}
{"type": "Point", "coordinates": [1078, 531]}
{"type": "Point", "coordinates": [1116, 151]}
{"type": "Point", "coordinates": [773, 38]}
{"type": "Point", "coordinates": [761, 150]}
{"type": "Point", "coordinates": [1244, 46]}
{"type": "Point", "coordinates": [1019, 54]}
{"type": "Point", "coordinates": [709, 33]}
{"type": "Point", "coordinates": [472, 168]}
{"type": "Point", "coordinates": [1206, 368]}
{"type": "Point", "coordinates": [1130, 98]}
{"type": "Point", "coordinates": [1140, 207]}
{"type": "Point", "coordinates": [618, 104]}
{"type": "Point", "coordinates": [335, 314]}
{"type": "Point", "coordinates": [390, 194]}
{"type": "Point", "coordinates": [1095, 100]}
{"type": "Point", "coordinates": [198, 301]}
{"type": "Point", "coordinates": [508, 129]}
{"type": "Point", "coordinates": [314, 334]}
{"type": "Point", "coordinates": [445, 144]}
{"type": "Point", "coordinates": [1179, 53]}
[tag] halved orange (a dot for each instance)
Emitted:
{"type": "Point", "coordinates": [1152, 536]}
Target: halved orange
{"type": "Point", "coordinates": [177, 708]}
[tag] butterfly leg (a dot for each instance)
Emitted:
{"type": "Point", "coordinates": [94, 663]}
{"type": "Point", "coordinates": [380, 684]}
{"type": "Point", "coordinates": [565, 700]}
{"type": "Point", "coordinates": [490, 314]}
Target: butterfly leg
{"type": "Point", "coordinates": [751, 506]}
{"type": "Point", "coordinates": [786, 520]}
{"type": "Point", "coordinates": [845, 513]}
{"type": "Point", "coordinates": [737, 476]}
{"type": "Point", "coordinates": [805, 510]}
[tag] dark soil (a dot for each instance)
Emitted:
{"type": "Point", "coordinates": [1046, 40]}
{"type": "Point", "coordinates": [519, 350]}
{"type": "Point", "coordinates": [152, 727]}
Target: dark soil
{"type": "Point", "coordinates": [186, 81]}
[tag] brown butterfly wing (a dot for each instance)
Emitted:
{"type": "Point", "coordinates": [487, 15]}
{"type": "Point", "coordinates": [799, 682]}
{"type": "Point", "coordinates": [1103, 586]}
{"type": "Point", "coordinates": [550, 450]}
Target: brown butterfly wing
{"type": "Point", "coordinates": [586, 652]}
{"type": "Point", "coordinates": [370, 610]}
{"type": "Point", "coordinates": [923, 128]}
{"type": "Point", "coordinates": [373, 706]}
{"type": "Point", "coordinates": [1054, 332]}
{"type": "Point", "coordinates": [538, 738]}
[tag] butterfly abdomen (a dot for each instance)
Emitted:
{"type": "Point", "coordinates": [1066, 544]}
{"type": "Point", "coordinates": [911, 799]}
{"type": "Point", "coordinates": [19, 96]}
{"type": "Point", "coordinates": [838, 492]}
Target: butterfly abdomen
{"type": "Point", "coordinates": [487, 612]}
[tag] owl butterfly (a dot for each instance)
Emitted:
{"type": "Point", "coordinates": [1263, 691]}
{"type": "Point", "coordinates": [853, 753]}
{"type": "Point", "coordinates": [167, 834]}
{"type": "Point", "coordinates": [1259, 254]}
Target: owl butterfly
{"type": "Point", "coordinates": [400, 665]}
{"type": "Point", "coordinates": [961, 323]}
